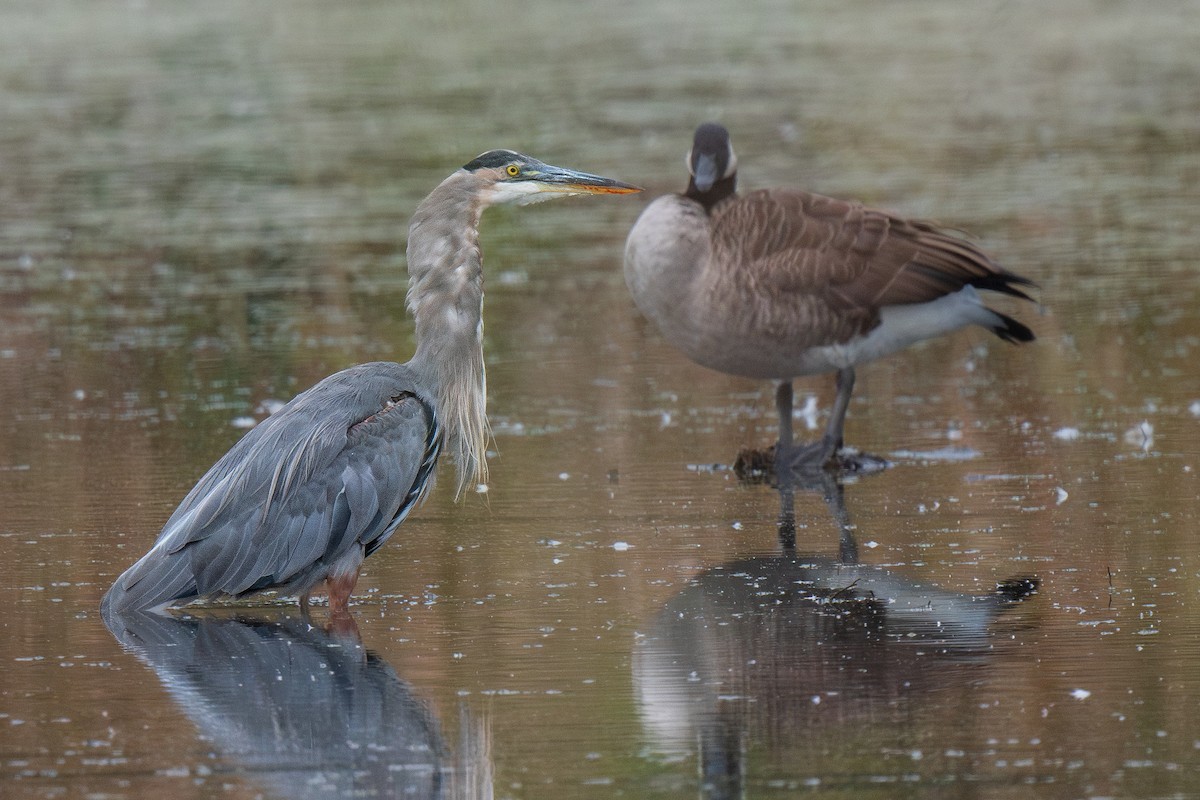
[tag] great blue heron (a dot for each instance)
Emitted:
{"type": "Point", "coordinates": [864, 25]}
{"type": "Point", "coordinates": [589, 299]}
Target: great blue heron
{"type": "Point", "coordinates": [781, 283]}
{"type": "Point", "coordinates": [304, 497]}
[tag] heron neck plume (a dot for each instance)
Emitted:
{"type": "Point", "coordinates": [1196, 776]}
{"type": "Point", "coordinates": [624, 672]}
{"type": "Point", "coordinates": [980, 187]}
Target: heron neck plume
{"type": "Point", "coordinates": [445, 297]}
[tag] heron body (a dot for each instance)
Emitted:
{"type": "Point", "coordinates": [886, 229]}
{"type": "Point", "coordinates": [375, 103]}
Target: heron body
{"type": "Point", "coordinates": [318, 486]}
{"type": "Point", "coordinates": [783, 283]}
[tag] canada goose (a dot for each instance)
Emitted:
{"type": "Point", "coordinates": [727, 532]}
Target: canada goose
{"type": "Point", "coordinates": [780, 283]}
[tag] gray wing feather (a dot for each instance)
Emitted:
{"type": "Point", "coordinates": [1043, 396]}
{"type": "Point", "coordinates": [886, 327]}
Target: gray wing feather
{"type": "Point", "coordinates": [336, 468]}
{"type": "Point", "coordinates": [361, 497]}
{"type": "Point", "coordinates": [273, 552]}
{"type": "Point", "coordinates": [412, 492]}
{"type": "Point", "coordinates": [309, 536]}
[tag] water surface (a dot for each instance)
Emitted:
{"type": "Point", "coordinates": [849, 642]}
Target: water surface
{"type": "Point", "coordinates": [204, 211]}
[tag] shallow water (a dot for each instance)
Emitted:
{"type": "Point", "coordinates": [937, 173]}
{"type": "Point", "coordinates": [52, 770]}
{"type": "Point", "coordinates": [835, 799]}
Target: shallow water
{"type": "Point", "coordinates": [204, 211]}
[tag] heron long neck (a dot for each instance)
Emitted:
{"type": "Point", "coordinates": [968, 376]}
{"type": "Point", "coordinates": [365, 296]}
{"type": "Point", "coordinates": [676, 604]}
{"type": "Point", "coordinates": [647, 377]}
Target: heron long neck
{"type": "Point", "coordinates": [445, 297]}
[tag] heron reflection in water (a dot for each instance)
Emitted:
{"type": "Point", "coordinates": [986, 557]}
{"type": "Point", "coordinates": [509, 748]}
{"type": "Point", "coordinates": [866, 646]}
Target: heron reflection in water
{"type": "Point", "coordinates": [791, 652]}
{"type": "Point", "coordinates": [302, 712]}
{"type": "Point", "coordinates": [321, 484]}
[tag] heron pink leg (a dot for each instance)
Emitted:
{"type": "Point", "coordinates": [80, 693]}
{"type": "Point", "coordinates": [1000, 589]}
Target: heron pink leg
{"type": "Point", "coordinates": [340, 589]}
{"type": "Point", "coordinates": [341, 621]}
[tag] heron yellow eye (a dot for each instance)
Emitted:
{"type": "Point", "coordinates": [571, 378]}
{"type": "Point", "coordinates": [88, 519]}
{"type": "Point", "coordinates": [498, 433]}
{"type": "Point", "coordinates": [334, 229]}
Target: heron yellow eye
{"type": "Point", "coordinates": [513, 170]}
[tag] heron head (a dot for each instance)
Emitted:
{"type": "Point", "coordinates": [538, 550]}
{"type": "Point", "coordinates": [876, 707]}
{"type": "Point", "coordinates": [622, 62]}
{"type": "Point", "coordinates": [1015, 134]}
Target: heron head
{"type": "Point", "coordinates": [515, 178]}
{"type": "Point", "coordinates": [711, 158]}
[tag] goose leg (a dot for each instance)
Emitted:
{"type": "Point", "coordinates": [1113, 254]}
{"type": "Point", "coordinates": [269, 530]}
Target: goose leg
{"type": "Point", "coordinates": [835, 499]}
{"type": "Point", "coordinates": [823, 453]}
{"type": "Point", "coordinates": [783, 405]}
{"type": "Point", "coordinates": [835, 432]}
{"type": "Point", "coordinates": [790, 458]}
{"type": "Point", "coordinates": [787, 510]}
{"type": "Point", "coordinates": [853, 462]}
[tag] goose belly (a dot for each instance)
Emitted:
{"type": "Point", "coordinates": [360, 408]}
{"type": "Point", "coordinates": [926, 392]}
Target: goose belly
{"type": "Point", "coordinates": [765, 351]}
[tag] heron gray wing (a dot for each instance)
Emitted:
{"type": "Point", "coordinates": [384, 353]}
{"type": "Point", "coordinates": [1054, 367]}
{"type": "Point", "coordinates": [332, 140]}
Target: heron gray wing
{"type": "Point", "coordinates": [336, 468]}
{"type": "Point", "coordinates": [283, 451]}
{"type": "Point", "coordinates": [224, 509]}
{"type": "Point", "coordinates": [314, 515]}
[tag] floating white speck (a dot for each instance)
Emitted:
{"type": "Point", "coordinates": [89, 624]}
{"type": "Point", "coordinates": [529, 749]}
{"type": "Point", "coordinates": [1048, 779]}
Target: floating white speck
{"type": "Point", "coordinates": [1067, 434]}
{"type": "Point", "coordinates": [564, 476]}
{"type": "Point", "coordinates": [270, 405]}
{"type": "Point", "coordinates": [1141, 435]}
{"type": "Point", "coordinates": [80, 394]}
{"type": "Point", "coordinates": [737, 526]}
{"type": "Point", "coordinates": [947, 453]}
{"type": "Point", "coordinates": [481, 488]}
{"type": "Point", "coordinates": [871, 544]}
{"type": "Point", "coordinates": [816, 699]}
{"type": "Point", "coordinates": [954, 434]}
{"type": "Point", "coordinates": [809, 413]}
{"type": "Point", "coordinates": [1080, 694]}
{"type": "Point", "coordinates": [1060, 496]}
{"type": "Point", "coordinates": [621, 546]}
{"type": "Point", "coordinates": [513, 277]}
{"type": "Point", "coordinates": [664, 420]}
{"type": "Point", "coordinates": [509, 428]}
{"type": "Point", "coordinates": [244, 423]}
{"type": "Point", "coordinates": [1194, 408]}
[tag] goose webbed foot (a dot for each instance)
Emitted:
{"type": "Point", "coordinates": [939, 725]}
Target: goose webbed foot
{"type": "Point", "coordinates": [824, 456]}
{"type": "Point", "coordinates": [802, 464]}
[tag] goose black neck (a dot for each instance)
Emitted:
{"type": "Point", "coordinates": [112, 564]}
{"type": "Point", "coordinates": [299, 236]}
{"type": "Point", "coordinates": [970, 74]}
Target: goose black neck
{"type": "Point", "coordinates": [724, 187]}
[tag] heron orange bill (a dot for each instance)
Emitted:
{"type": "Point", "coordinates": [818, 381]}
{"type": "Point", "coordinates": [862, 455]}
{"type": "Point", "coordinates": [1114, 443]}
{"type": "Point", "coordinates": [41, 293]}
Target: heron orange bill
{"type": "Point", "coordinates": [615, 188]}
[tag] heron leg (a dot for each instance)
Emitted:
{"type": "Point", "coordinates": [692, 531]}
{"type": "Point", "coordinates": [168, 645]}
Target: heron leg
{"type": "Point", "coordinates": [341, 621]}
{"type": "Point", "coordinates": [340, 589]}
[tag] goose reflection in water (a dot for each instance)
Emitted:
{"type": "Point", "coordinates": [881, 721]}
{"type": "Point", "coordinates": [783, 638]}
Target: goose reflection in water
{"type": "Point", "coordinates": [303, 712]}
{"type": "Point", "coordinates": [803, 650]}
